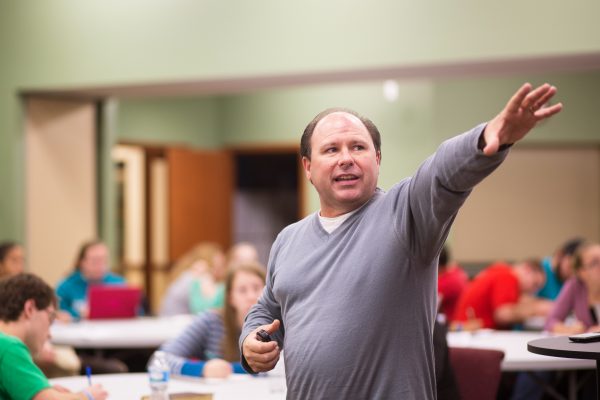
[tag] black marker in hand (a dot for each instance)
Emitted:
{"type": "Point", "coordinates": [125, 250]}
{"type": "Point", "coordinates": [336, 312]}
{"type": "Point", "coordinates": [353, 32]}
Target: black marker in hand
{"type": "Point", "coordinates": [263, 336]}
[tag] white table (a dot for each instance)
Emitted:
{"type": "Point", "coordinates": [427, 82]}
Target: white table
{"type": "Point", "coordinates": [134, 386]}
{"type": "Point", "coordinates": [514, 346]}
{"type": "Point", "coordinates": [143, 332]}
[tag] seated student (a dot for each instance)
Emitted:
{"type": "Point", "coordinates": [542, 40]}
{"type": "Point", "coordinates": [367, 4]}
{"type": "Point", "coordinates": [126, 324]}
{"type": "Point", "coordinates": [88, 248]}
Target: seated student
{"type": "Point", "coordinates": [197, 281]}
{"type": "Point", "coordinates": [12, 259]}
{"type": "Point", "coordinates": [580, 295]}
{"type": "Point", "coordinates": [241, 252]}
{"type": "Point", "coordinates": [209, 346]}
{"type": "Point", "coordinates": [558, 269]}
{"type": "Point", "coordinates": [53, 360]}
{"type": "Point", "coordinates": [91, 267]}
{"type": "Point", "coordinates": [452, 281]}
{"type": "Point", "coordinates": [27, 309]}
{"type": "Point", "coordinates": [501, 296]}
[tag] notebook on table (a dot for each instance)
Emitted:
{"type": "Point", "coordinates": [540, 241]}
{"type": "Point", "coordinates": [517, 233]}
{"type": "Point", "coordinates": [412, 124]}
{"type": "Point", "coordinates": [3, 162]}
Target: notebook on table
{"type": "Point", "coordinates": [113, 301]}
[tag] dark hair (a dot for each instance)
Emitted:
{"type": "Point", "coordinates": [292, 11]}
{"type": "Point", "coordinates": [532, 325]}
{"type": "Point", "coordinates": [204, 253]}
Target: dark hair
{"type": "Point", "coordinates": [305, 148]}
{"type": "Point", "coordinates": [232, 331]}
{"type": "Point", "coordinates": [534, 264]}
{"type": "Point", "coordinates": [569, 248]}
{"type": "Point", "coordinates": [578, 256]}
{"type": "Point", "coordinates": [5, 248]}
{"type": "Point", "coordinates": [82, 250]}
{"type": "Point", "coordinates": [444, 256]}
{"type": "Point", "coordinates": [18, 289]}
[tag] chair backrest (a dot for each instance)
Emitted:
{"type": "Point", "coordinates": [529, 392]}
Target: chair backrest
{"type": "Point", "coordinates": [477, 372]}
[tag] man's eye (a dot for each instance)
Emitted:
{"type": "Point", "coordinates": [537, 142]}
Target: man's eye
{"type": "Point", "coordinates": [330, 150]}
{"type": "Point", "coordinates": [359, 147]}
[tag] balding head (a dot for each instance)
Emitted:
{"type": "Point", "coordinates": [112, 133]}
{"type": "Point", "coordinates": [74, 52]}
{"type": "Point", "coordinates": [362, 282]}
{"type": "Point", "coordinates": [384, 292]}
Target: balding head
{"type": "Point", "coordinates": [305, 141]}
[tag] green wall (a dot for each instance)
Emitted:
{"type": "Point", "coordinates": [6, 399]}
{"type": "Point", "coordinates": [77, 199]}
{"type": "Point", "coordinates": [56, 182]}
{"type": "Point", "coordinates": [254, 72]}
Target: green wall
{"type": "Point", "coordinates": [73, 44]}
{"type": "Point", "coordinates": [426, 113]}
{"type": "Point", "coordinates": [177, 121]}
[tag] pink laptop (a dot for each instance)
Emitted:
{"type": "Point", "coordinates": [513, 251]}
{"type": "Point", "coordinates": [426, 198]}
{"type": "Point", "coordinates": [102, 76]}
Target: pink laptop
{"type": "Point", "coordinates": [113, 301]}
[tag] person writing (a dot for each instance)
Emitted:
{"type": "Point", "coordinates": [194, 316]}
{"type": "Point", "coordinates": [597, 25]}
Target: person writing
{"type": "Point", "coordinates": [354, 286]}
{"type": "Point", "coordinates": [53, 360]}
{"type": "Point", "coordinates": [208, 347]}
{"type": "Point", "coordinates": [27, 309]}
{"type": "Point", "coordinates": [502, 296]}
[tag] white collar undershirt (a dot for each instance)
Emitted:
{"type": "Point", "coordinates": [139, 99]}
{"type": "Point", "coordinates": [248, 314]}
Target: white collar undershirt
{"type": "Point", "coordinates": [331, 224]}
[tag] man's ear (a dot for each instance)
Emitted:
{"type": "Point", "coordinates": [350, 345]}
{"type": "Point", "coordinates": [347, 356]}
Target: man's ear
{"type": "Point", "coordinates": [378, 157]}
{"type": "Point", "coordinates": [29, 308]}
{"type": "Point", "coordinates": [306, 166]}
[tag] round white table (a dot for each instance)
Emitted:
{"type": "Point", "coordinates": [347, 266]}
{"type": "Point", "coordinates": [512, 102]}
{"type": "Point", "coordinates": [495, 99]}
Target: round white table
{"type": "Point", "coordinates": [134, 386]}
{"type": "Point", "coordinates": [135, 333]}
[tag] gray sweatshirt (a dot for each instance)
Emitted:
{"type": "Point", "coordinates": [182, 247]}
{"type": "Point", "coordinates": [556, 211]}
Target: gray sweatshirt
{"type": "Point", "coordinates": [357, 306]}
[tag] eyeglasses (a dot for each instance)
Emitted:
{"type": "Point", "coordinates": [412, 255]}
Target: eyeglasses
{"type": "Point", "coordinates": [51, 315]}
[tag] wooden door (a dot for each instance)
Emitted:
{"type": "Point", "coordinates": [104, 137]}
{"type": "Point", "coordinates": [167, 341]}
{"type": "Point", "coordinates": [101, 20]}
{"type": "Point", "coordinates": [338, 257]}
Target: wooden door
{"type": "Point", "coordinates": [201, 186]}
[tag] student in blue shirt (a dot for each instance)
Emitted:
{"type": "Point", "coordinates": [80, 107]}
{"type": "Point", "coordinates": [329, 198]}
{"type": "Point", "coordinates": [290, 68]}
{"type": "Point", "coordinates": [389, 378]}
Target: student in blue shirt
{"type": "Point", "coordinates": [91, 267]}
{"type": "Point", "coordinates": [558, 268]}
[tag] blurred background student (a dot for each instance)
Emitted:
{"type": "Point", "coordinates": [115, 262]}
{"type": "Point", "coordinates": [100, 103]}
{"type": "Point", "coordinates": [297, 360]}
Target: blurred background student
{"type": "Point", "coordinates": [209, 345]}
{"type": "Point", "coordinates": [502, 295]}
{"type": "Point", "coordinates": [241, 252]}
{"type": "Point", "coordinates": [197, 281]}
{"type": "Point", "coordinates": [91, 267]}
{"type": "Point", "coordinates": [558, 268]}
{"type": "Point", "coordinates": [452, 281]}
{"type": "Point", "coordinates": [580, 295]}
{"type": "Point", "coordinates": [12, 259]}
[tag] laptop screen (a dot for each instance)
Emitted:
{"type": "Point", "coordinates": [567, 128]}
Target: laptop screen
{"type": "Point", "coordinates": [113, 301]}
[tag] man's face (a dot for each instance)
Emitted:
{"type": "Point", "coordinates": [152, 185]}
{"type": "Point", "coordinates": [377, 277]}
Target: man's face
{"type": "Point", "coordinates": [344, 165]}
{"type": "Point", "coordinates": [39, 329]}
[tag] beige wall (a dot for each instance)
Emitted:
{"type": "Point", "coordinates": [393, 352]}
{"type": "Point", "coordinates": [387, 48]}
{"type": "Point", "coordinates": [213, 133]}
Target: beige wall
{"type": "Point", "coordinates": [60, 184]}
{"type": "Point", "coordinates": [539, 198]}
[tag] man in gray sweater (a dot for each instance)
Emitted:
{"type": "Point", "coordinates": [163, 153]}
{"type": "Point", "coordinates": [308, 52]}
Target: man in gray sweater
{"type": "Point", "coordinates": [351, 290]}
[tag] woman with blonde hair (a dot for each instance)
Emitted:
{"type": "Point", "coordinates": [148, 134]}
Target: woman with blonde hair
{"type": "Point", "coordinates": [197, 281]}
{"type": "Point", "coordinates": [209, 345]}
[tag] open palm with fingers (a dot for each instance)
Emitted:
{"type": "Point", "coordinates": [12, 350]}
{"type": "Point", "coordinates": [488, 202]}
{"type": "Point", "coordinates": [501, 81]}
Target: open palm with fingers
{"type": "Point", "coordinates": [523, 111]}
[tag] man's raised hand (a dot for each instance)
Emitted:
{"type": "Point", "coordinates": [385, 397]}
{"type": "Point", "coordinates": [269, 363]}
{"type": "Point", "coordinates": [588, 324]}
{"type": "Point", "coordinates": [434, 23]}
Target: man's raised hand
{"type": "Point", "coordinates": [523, 111]}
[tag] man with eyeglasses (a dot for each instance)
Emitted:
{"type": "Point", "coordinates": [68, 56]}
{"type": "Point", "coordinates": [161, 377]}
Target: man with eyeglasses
{"type": "Point", "coordinates": [27, 309]}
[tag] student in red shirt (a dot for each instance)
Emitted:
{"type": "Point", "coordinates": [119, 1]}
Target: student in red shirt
{"type": "Point", "coordinates": [452, 280]}
{"type": "Point", "coordinates": [502, 295]}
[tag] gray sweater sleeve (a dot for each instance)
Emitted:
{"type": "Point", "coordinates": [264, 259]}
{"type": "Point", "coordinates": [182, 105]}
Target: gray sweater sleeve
{"type": "Point", "coordinates": [438, 189]}
{"type": "Point", "coordinates": [266, 309]}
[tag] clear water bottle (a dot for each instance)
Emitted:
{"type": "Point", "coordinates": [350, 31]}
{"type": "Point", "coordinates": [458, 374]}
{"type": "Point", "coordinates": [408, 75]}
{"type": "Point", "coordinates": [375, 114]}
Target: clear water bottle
{"type": "Point", "coordinates": [158, 374]}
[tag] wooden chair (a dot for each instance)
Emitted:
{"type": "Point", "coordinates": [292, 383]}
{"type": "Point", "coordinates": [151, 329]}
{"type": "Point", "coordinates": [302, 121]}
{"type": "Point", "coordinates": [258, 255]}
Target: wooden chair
{"type": "Point", "coordinates": [477, 372]}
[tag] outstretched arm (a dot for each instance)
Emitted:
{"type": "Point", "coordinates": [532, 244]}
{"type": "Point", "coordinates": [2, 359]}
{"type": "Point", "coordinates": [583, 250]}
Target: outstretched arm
{"type": "Point", "coordinates": [520, 115]}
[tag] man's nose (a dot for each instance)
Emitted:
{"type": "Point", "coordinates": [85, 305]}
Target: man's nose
{"type": "Point", "coordinates": [345, 158]}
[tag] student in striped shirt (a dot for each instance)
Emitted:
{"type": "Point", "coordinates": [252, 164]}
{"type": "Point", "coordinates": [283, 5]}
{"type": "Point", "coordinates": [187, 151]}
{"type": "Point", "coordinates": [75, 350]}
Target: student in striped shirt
{"type": "Point", "coordinates": [209, 346]}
